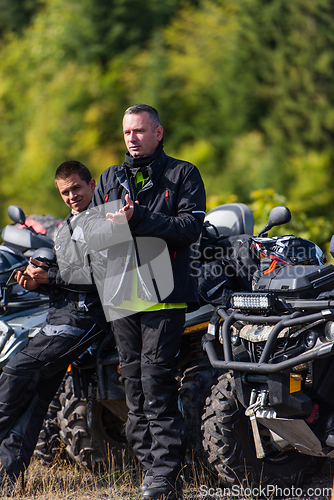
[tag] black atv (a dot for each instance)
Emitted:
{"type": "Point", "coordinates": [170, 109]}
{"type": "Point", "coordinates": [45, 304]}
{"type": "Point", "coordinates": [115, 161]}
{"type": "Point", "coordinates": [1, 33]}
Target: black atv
{"type": "Point", "coordinates": [90, 408]}
{"type": "Point", "coordinates": [270, 416]}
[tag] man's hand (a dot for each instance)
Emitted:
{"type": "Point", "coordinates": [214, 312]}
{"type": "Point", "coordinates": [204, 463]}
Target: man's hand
{"type": "Point", "coordinates": [35, 271]}
{"type": "Point", "coordinates": [124, 214]}
{"type": "Point", "coordinates": [25, 281]}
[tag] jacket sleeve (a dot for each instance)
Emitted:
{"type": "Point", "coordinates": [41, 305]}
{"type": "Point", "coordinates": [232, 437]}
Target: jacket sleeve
{"type": "Point", "coordinates": [185, 227]}
{"type": "Point", "coordinates": [54, 281]}
{"type": "Point", "coordinates": [100, 233]}
{"type": "Point", "coordinates": [98, 196]}
{"type": "Point", "coordinates": [54, 277]}
{"type": "Point", "coordinates": [77, 283]}
{"type": "Point", "coordinates": [105, 184]}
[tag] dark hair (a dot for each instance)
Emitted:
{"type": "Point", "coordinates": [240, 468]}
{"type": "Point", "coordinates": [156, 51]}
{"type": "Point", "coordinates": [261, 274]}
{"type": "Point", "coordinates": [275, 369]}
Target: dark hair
{"type": "Point", "coordinates": [145, 108]}
{"type": "Point", "coordinates": [68, 168]}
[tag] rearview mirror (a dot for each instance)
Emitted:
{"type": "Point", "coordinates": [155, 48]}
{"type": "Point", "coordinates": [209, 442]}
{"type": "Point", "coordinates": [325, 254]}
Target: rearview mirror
{"type": "Point", "coordinates": [277, 217]}
{"type": "Point", "coordinates": [16, 214]}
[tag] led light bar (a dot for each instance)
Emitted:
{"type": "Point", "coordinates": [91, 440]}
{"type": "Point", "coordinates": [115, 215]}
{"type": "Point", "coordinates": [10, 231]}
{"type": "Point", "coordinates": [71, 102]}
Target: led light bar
{"type": "Point", "coordinates": [257, 301]}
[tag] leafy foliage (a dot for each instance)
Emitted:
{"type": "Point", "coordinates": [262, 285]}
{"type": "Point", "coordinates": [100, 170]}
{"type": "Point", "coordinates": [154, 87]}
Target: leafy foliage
{"type": "Point", "coordinates": [244, 89]}
{"type": "Point", "coordinates": [15, 15]}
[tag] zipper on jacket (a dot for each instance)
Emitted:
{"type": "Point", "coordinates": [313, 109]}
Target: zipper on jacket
{"type": "Point", "coordinates": [146, 186]}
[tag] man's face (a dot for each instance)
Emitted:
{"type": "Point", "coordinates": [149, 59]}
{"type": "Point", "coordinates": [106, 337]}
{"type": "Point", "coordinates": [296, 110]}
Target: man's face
{"type": "Point", "coordinates": [139, 137]}
{"type": "Point", "coordinates": [76, 193]}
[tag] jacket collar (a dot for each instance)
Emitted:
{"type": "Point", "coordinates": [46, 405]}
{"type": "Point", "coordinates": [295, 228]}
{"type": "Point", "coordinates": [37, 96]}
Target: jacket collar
{"type": "Point", "coordinates": [154, 169]}
{"type": "Point", "coordinates": [135, 162]}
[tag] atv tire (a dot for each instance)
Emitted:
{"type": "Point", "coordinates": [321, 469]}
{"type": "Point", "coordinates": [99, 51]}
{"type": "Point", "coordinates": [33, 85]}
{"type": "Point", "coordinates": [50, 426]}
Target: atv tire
{"type": "Point", "coordinates": [194, 388]}
{"type": "Point", "coordinates": [228, 441]}
{"type": "Point", "coordinates": [92, 435]}
{"type": "Point", "coordinates": [49, 444]}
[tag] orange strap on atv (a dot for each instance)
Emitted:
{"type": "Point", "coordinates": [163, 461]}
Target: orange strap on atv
{"type": "Point", "coordinates": [35, 225]}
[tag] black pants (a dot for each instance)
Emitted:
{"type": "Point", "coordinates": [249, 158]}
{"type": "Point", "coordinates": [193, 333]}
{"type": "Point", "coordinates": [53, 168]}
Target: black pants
{"type": "Point", "coordinates": [149, 347]}
{"type": "Point", "coordinates": [27, 386]}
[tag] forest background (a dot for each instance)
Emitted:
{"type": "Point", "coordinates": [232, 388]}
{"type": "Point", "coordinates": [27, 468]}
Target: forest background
{"type": "Point", "coordinates": [245, 90]}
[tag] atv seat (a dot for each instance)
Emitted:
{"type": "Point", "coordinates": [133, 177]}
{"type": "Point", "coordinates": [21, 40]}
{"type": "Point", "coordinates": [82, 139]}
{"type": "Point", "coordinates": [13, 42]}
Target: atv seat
{"type": "Point", "coordinates": [231, 219]}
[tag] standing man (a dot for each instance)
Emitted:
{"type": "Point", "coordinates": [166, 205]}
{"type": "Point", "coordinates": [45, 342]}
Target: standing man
{"type": "Point", "coordinates": [161, 208]}
{"type": "Point", "coordinates": [75, 320]}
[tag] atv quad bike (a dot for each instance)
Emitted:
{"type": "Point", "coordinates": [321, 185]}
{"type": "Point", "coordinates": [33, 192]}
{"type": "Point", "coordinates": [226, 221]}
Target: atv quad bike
{"type": "Point", "coordinates": [92, 410]}
{"type": "Point", "coordinates": [270, 416]}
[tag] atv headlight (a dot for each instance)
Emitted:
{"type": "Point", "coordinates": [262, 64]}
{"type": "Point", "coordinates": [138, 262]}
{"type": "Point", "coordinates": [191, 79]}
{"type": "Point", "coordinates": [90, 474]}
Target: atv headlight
{"type": "Point", "coordinates": [310, 339]}
{"type": "Point", "coordinates": [258, 301]}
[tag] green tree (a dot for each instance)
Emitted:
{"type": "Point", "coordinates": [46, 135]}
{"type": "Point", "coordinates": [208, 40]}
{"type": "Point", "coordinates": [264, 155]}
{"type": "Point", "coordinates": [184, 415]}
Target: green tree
{"type": "Point", "coordinates": [192, 74]}
{"type": "Point", "coordinates": [289, 47]}
{"type": "Point", "coordinates": [60, 95]}
{"type": "Point", "coordinates": [15, 15]}
{"type": "Point", "coordinates": [244, 88]}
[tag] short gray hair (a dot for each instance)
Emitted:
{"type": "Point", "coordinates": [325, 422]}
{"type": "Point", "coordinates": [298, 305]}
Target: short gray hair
{"type": "Point", "coordinates": [137, 109]}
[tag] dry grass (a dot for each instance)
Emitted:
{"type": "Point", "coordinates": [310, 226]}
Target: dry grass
{"type": "Point", "coordinates": [64, 480]}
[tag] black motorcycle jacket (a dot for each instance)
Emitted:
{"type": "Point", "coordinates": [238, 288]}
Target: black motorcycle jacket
{"type": "Point", "coordinates": [170, 208]}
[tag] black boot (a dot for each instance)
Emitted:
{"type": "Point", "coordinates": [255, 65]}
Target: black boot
{"type": "Point", "coordinates": [163, 488]}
